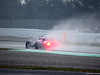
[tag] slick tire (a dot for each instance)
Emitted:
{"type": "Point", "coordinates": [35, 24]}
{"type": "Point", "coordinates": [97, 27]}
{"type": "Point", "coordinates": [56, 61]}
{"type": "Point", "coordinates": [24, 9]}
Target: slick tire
{"type": "Point", "coordinates": [38, 45]}
{"type": "Point", "coordinates": [28, 45]}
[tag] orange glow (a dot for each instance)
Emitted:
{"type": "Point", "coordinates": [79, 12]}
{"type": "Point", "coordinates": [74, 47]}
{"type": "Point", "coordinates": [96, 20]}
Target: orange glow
{"type": "Point", "coordinates": [48, 44]}
{"type": "Point", "coordinates": [51, 44]}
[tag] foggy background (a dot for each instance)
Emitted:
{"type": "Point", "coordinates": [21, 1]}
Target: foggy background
{"type": "Point", "coordinates": [51, 18]}
{"type": "Point", "coordinates": [78, 15]}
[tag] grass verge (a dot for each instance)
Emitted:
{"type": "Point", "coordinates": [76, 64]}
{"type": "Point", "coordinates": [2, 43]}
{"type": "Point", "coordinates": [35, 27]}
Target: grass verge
{"type": "Point", "coordinates": [51, 68]}
{"type": "Point", "coordinates": [7, 49]}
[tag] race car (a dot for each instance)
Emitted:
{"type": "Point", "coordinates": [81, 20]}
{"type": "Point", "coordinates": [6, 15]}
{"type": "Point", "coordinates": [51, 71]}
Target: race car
{"type": "Point", "coordinates": [49, 44]}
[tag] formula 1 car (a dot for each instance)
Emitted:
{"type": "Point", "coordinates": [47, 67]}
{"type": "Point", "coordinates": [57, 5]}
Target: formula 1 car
{"type": "Point", "coordinates": [50, 44]}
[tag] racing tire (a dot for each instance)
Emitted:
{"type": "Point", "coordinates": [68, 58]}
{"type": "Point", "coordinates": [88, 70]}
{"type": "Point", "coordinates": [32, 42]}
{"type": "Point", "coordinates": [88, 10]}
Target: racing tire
{"type": "Point", "coordinates": [38, 45]}
{"type": "Point", "coordinates": [28, 45]}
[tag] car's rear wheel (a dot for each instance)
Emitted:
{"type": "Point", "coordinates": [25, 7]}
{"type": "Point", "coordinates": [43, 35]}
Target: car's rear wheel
{"type": "Point", "coordinates": [38, 45]}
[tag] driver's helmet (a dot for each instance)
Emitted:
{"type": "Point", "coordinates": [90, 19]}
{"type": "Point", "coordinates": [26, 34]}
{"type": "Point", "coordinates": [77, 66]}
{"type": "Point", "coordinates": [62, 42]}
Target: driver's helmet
{"type": "Point", "coordinates": [42, 38]}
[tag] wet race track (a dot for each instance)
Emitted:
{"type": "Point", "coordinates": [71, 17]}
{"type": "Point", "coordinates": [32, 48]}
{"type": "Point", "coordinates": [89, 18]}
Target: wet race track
{"type": "Point", "coordinates": [72, 58]}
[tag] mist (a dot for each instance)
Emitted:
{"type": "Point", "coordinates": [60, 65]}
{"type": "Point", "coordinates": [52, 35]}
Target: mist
{"type": "Point", "coordinates": [76, 30]}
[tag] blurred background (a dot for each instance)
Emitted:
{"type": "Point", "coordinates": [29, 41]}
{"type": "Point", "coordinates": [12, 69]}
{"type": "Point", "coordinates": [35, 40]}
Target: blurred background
{"type": "Point", "coordinates": [45, 14]}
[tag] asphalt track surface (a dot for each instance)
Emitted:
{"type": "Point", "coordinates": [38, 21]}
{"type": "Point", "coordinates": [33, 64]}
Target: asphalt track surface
{"type": "Point", "coordinates": [64, 48]}
{"type": "Point", "coordinates": [46, 59]}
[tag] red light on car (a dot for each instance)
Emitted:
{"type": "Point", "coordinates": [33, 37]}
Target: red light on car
{"type": "Point", "coordinates": [48, 44]}
{"type": "Point", "coordinates": [51, 44]}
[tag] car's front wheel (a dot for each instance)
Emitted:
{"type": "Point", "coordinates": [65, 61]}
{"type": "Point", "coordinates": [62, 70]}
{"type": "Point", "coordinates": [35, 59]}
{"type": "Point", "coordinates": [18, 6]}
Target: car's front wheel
{"type": "Point", "coordinates": [28, 45]}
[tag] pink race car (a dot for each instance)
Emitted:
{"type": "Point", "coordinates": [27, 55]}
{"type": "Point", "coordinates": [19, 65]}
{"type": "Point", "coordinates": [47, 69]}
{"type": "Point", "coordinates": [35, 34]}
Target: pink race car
{"type": "Point", "coordinates": [49, 44]}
